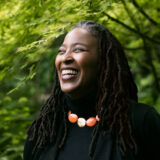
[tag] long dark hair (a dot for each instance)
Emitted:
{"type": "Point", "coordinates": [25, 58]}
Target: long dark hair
{"type": "Point", "coordinates": [115, 88]}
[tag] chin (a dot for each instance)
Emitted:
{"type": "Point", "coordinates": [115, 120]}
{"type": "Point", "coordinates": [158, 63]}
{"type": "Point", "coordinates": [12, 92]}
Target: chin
{"type": "Point", "coordinates": [70, 87]}
{"type": "Point", "coordinates": [68, 90]}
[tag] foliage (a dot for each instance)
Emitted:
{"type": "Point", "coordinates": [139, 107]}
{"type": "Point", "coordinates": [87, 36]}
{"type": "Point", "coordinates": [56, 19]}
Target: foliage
{"type": "Point", "coordinates": [30, 33]}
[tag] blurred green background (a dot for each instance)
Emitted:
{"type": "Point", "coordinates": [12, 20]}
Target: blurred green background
{"type": "Point", "coordinates": [32, 30]}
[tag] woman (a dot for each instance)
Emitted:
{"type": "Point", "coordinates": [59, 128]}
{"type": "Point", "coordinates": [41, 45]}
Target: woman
{"type": "Point", "coordinates": [92, 112]}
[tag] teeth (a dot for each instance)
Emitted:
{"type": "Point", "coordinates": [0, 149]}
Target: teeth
{"type": "Point", "coordinates": [65, 72]}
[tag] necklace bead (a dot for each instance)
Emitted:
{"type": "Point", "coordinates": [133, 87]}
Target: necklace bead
{"type": "Point", "coordinates": [81, 122]}
{"type": "Point", "coordinates": [91, 122]}
{"type": "Point", "coordinates": [73, 118]}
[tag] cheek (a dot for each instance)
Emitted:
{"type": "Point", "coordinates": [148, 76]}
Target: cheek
{"type": "Point", "coordinates": [90, 67]}
{"type": "Point", "coordinates": [57, 62]}
{"type": "Point", "coordinates": [57, 65]}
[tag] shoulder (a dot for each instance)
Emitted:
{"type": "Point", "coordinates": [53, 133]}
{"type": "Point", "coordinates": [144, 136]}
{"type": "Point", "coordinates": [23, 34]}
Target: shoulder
{"type": "Point", "coordinates": [139, 108]}
{"type": "Point", "coordinates": [141, 113]}
{"type": "Point", "coordinates": [28, 147]}
{"type": "Point", "coordinates": [144, 116]}
{"type": "Point", "coordinates": [145, 121]}
{"type": "Point", "coordinates": [28, 150]}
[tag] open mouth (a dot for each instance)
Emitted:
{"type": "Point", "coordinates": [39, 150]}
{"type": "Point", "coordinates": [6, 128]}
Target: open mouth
{"type": "Point", "coordinates": [69, 74]}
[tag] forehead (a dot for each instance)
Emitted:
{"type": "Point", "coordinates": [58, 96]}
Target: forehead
{"type": "Point", "coordinates": [80, 35]}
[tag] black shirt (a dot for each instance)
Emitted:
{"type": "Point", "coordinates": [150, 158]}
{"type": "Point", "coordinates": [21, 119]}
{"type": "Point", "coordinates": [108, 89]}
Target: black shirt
{"type": "Point", "coordinates": [146, 129]}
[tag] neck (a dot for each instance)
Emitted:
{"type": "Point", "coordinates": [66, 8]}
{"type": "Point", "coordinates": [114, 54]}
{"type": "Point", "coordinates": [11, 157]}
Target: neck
{"type": "Point", "coordinates": [84, 107]}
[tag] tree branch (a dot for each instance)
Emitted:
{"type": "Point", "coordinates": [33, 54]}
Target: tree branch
{"type": "Point", "coordinates": [144, 13]}
{"type": "Point", "coordinates": [130, 15]}
{"type": "Point", "coordinates": [131, 29]}
{"type": "Point", "coordinates": [153, 69]}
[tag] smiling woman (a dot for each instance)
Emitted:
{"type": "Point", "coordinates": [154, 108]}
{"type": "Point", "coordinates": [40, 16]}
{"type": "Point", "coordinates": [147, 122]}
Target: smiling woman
{"type": "Point", "coordinates": [92, 112]}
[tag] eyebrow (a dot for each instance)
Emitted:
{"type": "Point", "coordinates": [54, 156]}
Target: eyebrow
{"type": "Point", "coordinates": [74, 44]}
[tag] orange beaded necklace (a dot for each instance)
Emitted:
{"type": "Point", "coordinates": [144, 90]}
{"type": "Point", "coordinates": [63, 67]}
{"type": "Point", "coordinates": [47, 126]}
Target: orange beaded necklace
{"type": "Point", "coordinates": [90, 122]}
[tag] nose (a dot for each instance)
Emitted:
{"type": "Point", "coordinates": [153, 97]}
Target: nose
{"type": "Point", "coordinates": [68, 58]}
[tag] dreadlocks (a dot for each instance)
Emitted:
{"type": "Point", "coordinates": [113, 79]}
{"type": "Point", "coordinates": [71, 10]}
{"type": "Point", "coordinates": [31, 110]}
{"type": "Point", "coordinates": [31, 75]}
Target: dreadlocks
{"type": "Point", "coordinates": [115, 88]}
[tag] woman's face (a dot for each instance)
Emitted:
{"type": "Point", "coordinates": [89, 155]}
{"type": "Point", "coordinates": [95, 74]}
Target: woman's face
{"type": "Point", "coordinates": [77, 63]}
